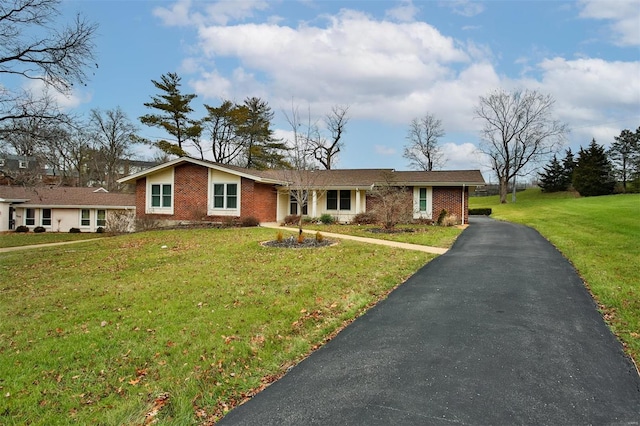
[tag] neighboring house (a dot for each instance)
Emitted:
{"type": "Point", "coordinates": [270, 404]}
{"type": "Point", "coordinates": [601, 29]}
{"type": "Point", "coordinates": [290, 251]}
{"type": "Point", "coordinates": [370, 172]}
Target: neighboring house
{"type": "Point", "coordinates": [59, 208]}
{"type": "Point", "coordinates": [187, 189]}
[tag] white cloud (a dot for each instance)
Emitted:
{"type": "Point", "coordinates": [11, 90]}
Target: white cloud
{"type": "Point", "coordinates": [379, 67]}
{"type": "Point", "coordinates": [461, 156]}
{"type": "Point", "coordinates": [624, 17]}
{"type": "Point", "coordinates": [66, 101]}
{"type": "Point", "coordinates": [406, 12]}
{"type": "Point", "coordinates": [219, 13]}
{"type": "Point", "coordinates": [585, 88]}
{"type": "Point", "coordinates": [176, 15]}
{"type": "Point", "coordinates": [466, 8]}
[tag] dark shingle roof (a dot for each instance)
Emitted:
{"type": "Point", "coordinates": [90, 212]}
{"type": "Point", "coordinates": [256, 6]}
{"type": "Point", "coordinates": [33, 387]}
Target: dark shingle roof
{"type": "Point", "coordinates": [67, 196]}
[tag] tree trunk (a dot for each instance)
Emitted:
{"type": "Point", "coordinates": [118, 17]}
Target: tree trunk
{"type": "Point", "coordinates": [504, 186]}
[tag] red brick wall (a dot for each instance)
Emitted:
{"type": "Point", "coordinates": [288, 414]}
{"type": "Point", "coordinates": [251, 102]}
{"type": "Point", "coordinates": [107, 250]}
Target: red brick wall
{"type": "Point", "coordinates": [190, 192]}
{"type": "Point", "coordinates": [258, 200]}
{"type": "Point", "coordinates": [141, 196]}
{"type": "Point", "coordinates": [450, 199]}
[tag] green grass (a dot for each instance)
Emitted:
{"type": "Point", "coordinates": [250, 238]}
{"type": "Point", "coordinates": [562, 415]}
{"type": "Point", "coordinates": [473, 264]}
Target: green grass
{"type": "Point", "coordinates": [93, 333]}
{"type": "Point", "coordinates": [16, 239]}
{"type": "Point", "coordinates": [426, 235]}
{"type": "Point", "coordinates": [600, 236]}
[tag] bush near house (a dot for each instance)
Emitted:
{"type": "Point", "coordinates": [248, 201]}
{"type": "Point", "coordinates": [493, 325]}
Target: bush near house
{"type": "Point", "coordinates": [39, 229]}
{"type": "Point", "coordinates": [22, 228]}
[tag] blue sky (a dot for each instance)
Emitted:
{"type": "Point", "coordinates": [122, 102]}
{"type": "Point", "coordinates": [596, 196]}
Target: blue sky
{"type": "Point", "coordinates": [390, 61]}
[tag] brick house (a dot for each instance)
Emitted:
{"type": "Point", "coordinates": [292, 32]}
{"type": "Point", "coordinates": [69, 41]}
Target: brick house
{"type": "Point", "coordinates": [190, 190]}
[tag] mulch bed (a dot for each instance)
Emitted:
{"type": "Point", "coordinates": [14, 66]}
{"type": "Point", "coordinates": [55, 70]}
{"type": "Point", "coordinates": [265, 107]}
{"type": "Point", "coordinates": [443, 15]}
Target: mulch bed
{"type": "Point", "coordinates": [293, 243]}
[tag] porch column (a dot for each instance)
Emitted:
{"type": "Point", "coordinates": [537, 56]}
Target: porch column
{"type": "Point", "coordinates": [357, 201]}
{"type": "Point", "coordinates": [314, 204]}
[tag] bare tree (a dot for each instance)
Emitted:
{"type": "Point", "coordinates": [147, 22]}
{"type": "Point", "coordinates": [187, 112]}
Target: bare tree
{"type": "Point", "coordinates": [114, 136]}
{"type": "Point", "coordinates": [519, 131]}
{"type": "Point", "coordinates": [303, 181]}
{"type": "Point", "coordinates": [32, 49]}
{"type": "Point", "coordinates": [325, 150]}
{"type": "Point", "coordinates": [392, 203]}
{"type": "Point", "coordinates": [423, 151]}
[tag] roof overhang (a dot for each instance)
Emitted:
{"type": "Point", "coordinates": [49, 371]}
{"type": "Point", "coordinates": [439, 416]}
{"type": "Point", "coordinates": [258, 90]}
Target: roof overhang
{"type": "Point", "coordinates": [182, 160]}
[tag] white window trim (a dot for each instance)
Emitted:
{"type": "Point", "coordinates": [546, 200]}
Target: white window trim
{"type": "Point", "coordinates": [26, 216]}
{"type": "Point", "coordinates": [42, 218]}
{"type": "Point", "coordinates": [224, 211]}
{"type": "Point", "coordinates": [338, 209]}
{"type": "Point", "coordinates": [23, 164]}
{"type": "Point", "coordinates": [105, 218]}
{"type": "Point", "coordinates": [417, 214]}
{"type": "Point", "coordinates": [160, 210]}
{"type": "Point", "coordinates": [80, 219]}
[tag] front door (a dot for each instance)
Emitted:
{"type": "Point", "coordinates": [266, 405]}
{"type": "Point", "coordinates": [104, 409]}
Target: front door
{"type": "Point", "coordinates": [12, 221]}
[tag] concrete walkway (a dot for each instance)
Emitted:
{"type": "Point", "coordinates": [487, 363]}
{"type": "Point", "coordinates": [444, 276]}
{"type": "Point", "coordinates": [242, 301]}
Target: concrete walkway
{"type": "Point", "coordinates": [500, 330]}
{"type": "Point", "coordinates": [407, 246]}
{"type": "Point", "coordinates": [36, 246]}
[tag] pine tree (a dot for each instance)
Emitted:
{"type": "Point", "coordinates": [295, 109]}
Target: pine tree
{"type": "Point", "coordinates": [173, 115]}
{"type": "Point", "coordinates": [568, 165]}
{"type": "Point", "coordinates": [625, 155]}
{"type": "Point", "coordinates": [262, 150]}
{"type": "Point", "coordinates": [553, 177]}
{"type": "Point", "coordinates": [593, 174]}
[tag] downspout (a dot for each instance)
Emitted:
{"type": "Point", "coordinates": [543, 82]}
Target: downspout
{"type": "Point", "coordinates": [463, 203]}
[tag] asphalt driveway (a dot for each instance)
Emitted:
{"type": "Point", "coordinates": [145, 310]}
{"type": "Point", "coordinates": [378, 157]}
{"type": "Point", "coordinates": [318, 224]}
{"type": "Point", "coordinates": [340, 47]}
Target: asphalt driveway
{"type": "Point", "coordinates": [499, 330]}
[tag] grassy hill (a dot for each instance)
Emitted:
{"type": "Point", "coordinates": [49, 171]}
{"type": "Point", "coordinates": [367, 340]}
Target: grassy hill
{"type": "Point", "coordinates": [600, 236]}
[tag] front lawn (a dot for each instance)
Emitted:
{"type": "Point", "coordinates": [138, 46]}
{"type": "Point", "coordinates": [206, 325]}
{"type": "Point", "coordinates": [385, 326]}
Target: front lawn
{"type": "Point", "coordinates": [600, 236]}
{"type": "Point", "coordinates": [180, 325]}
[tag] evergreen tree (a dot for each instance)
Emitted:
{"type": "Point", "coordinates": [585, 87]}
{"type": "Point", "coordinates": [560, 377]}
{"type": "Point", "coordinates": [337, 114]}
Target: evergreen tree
{"type": "Point", "coordinates": [553, 177]}
{"type": "Point", "coordinates": [568, 165]}
{"type": "Point", "coordinates": [593, 174]}
{"type": "Point", "coordinates": [262, 150]}
{"type": "Point", "coordinates": [173, 115]}
{"type": "Point", "coordinates": [625, 155]}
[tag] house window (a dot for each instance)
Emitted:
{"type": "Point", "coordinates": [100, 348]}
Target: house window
{"type": "Point", "coordinates": [161, 195]}
{"type": "Point", "coordinates": [23, 164]}
{"type": "Point", "coordinates": [1, 162]}
{"type": "Point", "coordinates": [85, 217]}
{"type": "Point", "coordinates": [422, 199]}
{"type": "Point", "coordinates": [101, 218]}
{"type": "Point", "coordinates": [46, 217]}
{"type": "Point", "coordinates": [225, 195]}
{"type": "Point", "coordinates": [343, 196]}
{"type": "Point", "coordinates": [332, 200]}
{"type": "Point", "coordinates": [345, 200]}
{"type": "Point", "coordinates": [30, 218]}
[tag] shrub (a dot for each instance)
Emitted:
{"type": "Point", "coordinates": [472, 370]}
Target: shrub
{"type": "Point", "coordinates": [100, 230]}
{"type": "Point", "coordinates": [308, 219]}
{"type": "Point", "coordinates": [22, 228]}
{"type": "Point", "coordinates": [300, 238]}
{"type": "Point", "coordinates": [120, 221]}
{"type": "Point", "coordinates": [74, 231]}
{"type": "Point", "coordinates": [450, 220]}
{"type": "Point", "coordinates": [249, 221]}
{"type": "Point", "coordinates": [441, 216]}
{"type": "Point", "coordinates": [366, 218]}
{"type": "Point", "coordinates": [292, 219]}
{"type": "Point", "coordinates": [423, 221]}
{"type": "Point", "coordinates": [327, 219]}
{"type": "Point", "coordinates": [319, 237]}
{"type": "Point", "coordinates": [480, 212]}
{"type": "Point", "coordinates": [279, 237]}
{"type": "Point", "coordinates": [39, 229]}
